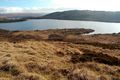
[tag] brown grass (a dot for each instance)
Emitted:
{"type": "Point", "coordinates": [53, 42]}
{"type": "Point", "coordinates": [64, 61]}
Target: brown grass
{"type": "Point", "coordinates": [33, 58]}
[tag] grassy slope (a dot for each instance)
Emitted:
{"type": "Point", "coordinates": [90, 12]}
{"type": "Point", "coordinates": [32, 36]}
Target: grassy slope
{"type": "Point", "coordinates": [32, 59]}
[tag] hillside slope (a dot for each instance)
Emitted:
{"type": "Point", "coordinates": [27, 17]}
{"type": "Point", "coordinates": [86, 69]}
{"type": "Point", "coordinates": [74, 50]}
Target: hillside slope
{"type": "Point", "coordinates": [85, 15]}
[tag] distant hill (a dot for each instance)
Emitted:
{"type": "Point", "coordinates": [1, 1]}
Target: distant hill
{"type": "Point", "coordinates": [85, 15]}
{"type": "Point", "coordinates": [21, 15]}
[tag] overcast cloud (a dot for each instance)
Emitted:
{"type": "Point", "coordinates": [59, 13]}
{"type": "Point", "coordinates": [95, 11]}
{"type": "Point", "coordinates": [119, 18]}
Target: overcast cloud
{"type": "Point", "coordinates": [45, 6]}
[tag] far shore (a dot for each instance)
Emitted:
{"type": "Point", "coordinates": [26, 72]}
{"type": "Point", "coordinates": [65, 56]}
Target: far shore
{"type": "Point", "coordinates": [12, 20]}
{"type": "Point", "coordinates": [31, 18]}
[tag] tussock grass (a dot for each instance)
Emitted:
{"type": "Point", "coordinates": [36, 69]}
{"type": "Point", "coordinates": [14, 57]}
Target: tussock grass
{"type": "Point", "coordinates": [29, 55]}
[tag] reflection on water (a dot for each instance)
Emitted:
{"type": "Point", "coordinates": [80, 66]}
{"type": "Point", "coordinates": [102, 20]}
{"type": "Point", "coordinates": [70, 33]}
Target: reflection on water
{"type": "Point", "coordinates": [40, 24]}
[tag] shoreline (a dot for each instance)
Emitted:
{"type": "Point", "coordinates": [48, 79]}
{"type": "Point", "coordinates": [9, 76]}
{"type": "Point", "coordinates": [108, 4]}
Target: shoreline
{"type": "Point", "coordinates": [75, 35]}
{"type": "Point", "coordinates": [12, 21]}
{"type": "Point", "coordinates": [25, 19]}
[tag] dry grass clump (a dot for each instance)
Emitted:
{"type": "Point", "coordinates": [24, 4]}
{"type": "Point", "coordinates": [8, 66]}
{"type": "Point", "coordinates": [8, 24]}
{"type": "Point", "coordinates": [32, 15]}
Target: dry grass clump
{"type": "Point", "coordinates": [32, 66]}
{"type": "Point", "coordinates": [82, 74]}
{"type": "Point", "coordinates": [10, 67]}
{"type": "Point", "coordinates": [39, 68]}
{"type": "Point", "coordinates": [104, 77]}
{"type": "Point", "coordinates": [4, 78]}
{"type": "Point", "coordinates": [100, 69]}
{"type": "Point", "coordinates": [29, 76]}
{"type": "Point", "coordinates": [48, 70]}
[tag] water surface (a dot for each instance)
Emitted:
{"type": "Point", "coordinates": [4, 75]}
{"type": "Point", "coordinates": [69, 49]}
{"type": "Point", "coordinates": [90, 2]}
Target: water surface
{"type": "Point", "coordinates": [41, 24]}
